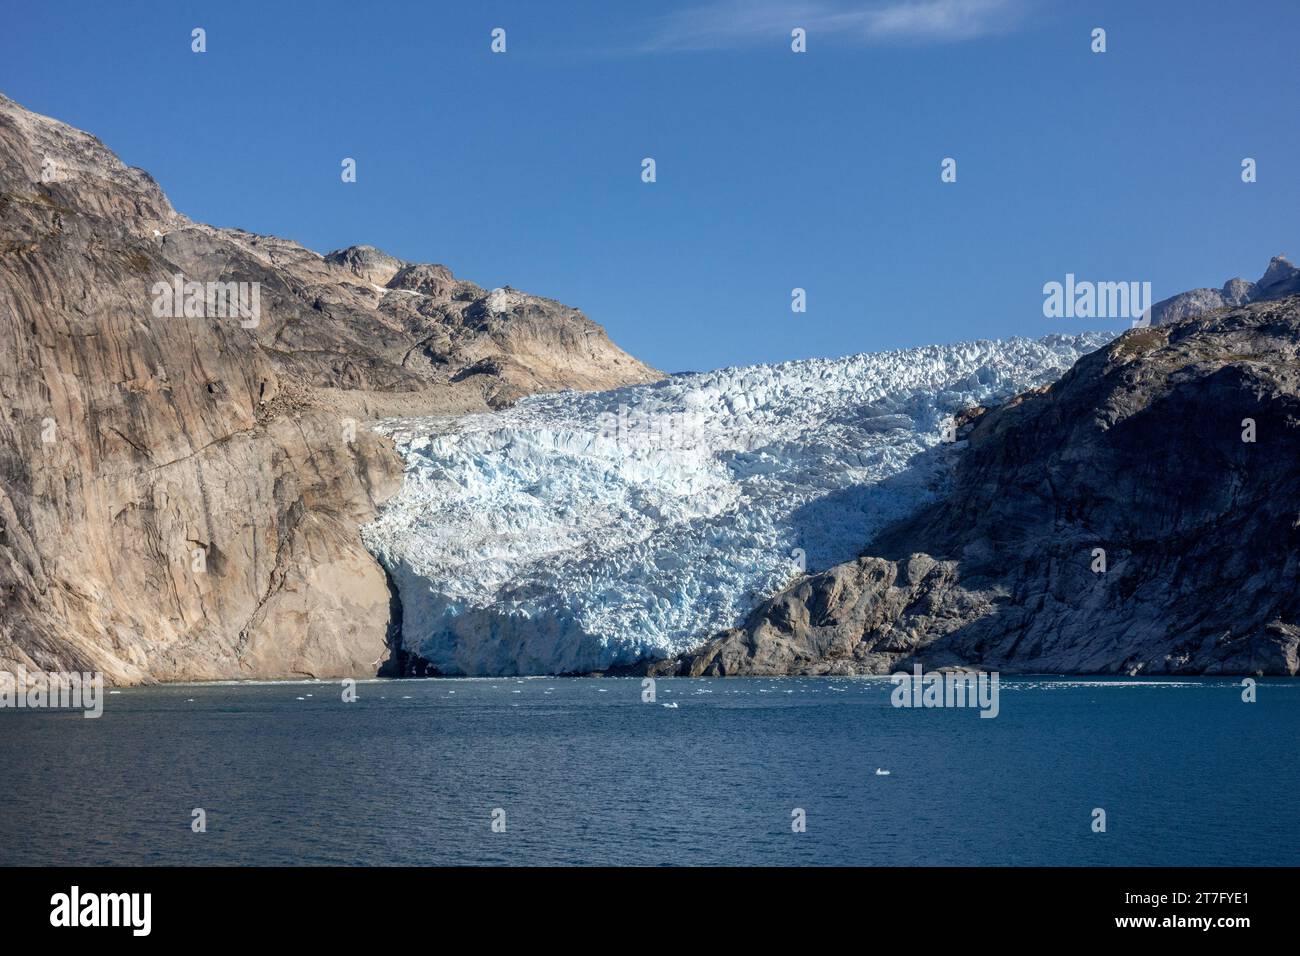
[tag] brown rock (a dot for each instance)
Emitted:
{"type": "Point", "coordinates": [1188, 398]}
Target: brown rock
{"type": "Point", "coordinates": [180, 496]}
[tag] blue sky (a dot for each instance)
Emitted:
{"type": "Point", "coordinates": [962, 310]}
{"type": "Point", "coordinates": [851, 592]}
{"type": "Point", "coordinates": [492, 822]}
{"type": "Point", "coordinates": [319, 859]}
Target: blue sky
{"type": "Point", "coordinates": [775, 169]}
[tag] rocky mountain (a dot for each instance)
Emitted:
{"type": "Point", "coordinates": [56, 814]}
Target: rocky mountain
{"type": "Point", "coordinates": [1138, 516]}
{"type": "Point", "coordinates": [1279, 280]}
{"type": "Point", "coordinates": [184, 457]}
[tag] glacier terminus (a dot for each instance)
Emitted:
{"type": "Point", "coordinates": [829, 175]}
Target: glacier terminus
{"type": "Point", "coordinates": [581, 530]}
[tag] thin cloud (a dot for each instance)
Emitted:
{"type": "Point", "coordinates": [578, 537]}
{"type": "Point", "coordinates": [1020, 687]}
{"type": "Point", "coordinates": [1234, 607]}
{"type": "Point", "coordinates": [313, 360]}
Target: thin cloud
{"type": "Point", "coordinates": [735, 24]}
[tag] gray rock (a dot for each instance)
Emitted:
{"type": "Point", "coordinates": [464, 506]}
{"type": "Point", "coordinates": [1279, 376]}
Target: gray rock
{"type": "Point", "coordinates": [1137, 450]}
{"type": "Point", "coordinates": [1280, 279]}
{"type": "Point", "coordinates": [366, 263]}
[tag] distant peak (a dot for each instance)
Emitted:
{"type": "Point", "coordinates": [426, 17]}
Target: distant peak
{"type": "Point", "coordinates": [426, 277]}
{"type": "Point", "coordinates": [366, 262]}
{"type": "Point", "coordinates": [1279, 280]}
{"type": "Point", "coordinates": [1279, 267]}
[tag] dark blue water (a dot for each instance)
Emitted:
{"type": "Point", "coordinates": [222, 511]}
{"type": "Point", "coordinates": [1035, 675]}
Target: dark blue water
{"type": "Point", "coordinates": [586, 773]}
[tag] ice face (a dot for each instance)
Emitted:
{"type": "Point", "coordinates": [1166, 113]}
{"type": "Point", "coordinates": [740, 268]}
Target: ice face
{"type": "Point", "coordinates": [579, 530]}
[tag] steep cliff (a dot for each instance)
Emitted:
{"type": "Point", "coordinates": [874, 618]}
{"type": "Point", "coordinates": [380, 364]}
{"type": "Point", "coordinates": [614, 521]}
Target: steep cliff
{"type": "Point", "coordinates": [182, 476]}
{"type": "Point", "coordinates": [1175, 450]}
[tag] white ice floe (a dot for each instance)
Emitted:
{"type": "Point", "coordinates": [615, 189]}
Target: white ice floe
{"type": "Point", "coordinates": [580, 530]}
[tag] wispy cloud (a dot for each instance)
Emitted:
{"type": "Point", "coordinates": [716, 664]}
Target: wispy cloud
{"type": "Point", "coordinates": [730, 24]}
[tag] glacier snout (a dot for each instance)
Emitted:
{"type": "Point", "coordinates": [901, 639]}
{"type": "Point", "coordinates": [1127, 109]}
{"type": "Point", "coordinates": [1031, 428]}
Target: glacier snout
{"type": "Point", "coordinates": [576, 531]}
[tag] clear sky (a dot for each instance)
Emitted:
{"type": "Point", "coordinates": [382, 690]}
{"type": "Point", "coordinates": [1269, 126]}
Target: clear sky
{"type": "Point", "coordinates": [775, 170]}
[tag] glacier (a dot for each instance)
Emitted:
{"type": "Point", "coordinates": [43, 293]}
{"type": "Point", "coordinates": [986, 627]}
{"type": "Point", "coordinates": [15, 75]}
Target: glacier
{"type": "Point", "coordinates": [577, 531]}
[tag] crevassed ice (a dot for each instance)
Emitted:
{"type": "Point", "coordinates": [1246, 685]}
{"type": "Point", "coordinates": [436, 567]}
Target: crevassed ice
{"type": "Point", "coordinates": [580, 530]}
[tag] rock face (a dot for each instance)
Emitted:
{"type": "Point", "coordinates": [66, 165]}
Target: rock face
{"type": "Point", "coordinates": [1279, 280]}
{"type": "Point", "coordinates": [1138, 451]}
{"type": "Point", "coordinates": [181, 481]}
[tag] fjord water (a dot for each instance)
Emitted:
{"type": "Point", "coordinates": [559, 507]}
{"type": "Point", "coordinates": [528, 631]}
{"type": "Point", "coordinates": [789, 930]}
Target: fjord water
{"type": "Point", "coordinates": [411, 773]}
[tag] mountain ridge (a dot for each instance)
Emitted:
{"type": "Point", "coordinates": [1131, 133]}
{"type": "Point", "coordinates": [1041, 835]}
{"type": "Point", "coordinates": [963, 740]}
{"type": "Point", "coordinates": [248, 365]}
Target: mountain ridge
{"type": "Point", "coordinates": [1280, 279]}
{"type": "Point", "coordinates": [181, 495]}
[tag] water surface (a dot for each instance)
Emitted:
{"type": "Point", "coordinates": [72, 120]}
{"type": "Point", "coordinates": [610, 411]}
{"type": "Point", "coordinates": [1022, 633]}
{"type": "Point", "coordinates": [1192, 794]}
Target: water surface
{"type": "Point", "coordinates": [586, 772]}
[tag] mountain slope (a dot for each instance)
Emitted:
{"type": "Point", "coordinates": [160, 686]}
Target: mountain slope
{"type": "Point", "coordinates": [180, 493]}
{"type": "Point", "coordinates": [1138, 450]}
